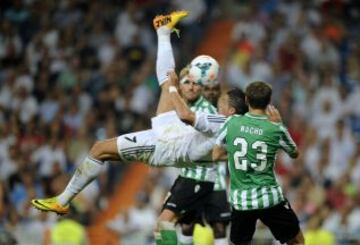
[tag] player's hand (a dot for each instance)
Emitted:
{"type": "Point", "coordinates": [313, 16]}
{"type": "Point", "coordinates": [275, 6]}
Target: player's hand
{"type": "Point", "coordinates": [273, 114]}
{"type": "Point", "coordinates": [173, 78]}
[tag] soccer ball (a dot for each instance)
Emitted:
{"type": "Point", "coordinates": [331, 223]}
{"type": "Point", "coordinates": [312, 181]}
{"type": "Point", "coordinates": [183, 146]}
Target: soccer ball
{"type": "Point", "coordinates": [204, 70]}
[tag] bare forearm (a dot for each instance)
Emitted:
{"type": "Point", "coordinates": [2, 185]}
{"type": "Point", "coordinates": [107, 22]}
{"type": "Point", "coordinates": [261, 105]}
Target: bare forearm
{"type": "Point", "coordinates": [177, 101]}
{"type": "Point", "coordinates": [182, 109]}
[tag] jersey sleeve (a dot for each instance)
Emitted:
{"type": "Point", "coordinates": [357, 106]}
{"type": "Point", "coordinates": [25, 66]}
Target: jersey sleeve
{"type": "Point", "coordinates": [208, 123]}
{"type": "Point", "coordinates": [286, 142]}
{"type": "Point", "coordinates": [221, 138]}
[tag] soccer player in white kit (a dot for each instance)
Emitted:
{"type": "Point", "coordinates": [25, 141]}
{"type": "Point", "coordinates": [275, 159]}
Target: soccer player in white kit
{"type": "Point", "coordinates": [170, 142]}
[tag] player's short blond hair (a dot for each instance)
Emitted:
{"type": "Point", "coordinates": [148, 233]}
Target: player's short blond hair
{"type": "Point", "coordinates": [184, 71]}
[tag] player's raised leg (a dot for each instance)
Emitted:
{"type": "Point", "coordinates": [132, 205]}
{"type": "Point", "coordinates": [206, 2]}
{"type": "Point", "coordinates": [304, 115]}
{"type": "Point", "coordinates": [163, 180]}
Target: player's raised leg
{"type": "Point", "coordinates": [165, 62]}
{"type": "Point", "coordinates": [112, 149]}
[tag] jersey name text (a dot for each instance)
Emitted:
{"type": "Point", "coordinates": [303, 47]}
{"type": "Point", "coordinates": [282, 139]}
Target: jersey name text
{"type": "Point", "coordinates": [251, 130]}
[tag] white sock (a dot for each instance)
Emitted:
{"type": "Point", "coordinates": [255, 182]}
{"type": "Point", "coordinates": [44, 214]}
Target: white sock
{"type": "Point", "coordinates": [88, 170]}
{"type": "Point", "coordinates": [185, 239]}
{"type": "Point", "coordinates": [221, 241]}
{"type": "Point", "coordinates": [165, 61]}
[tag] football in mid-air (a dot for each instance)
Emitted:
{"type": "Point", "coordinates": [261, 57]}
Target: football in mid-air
{"type": "Point", "coordinates": [204, 70]}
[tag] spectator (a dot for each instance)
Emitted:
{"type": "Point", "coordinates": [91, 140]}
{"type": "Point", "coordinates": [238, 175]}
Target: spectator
{"type": "Point", "coordinates": [316, 234]}
{"type": "Point", "coordinates": [75, 233]}
{"type": "Point", "coordinates": [136, 225]}
{"type": "Point", "coordinates": [50, 157]}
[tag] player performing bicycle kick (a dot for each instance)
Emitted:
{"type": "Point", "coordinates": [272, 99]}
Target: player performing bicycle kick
{"type": "Point", "coordinates": [170, 141]}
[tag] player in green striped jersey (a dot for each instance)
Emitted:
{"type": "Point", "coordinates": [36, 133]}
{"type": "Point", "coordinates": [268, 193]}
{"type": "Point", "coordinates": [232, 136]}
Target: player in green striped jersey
{"type": "Point", "coordinates": [201, 173]}
{"type": "Point", "coordinates": [251, 142]}
{"type": "Point", "coordinates": [215, 208]}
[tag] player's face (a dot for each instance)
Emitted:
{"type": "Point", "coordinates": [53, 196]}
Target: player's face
{"type": "Point", "coordinates": [224, 106]}
{"type": "Point", "coordinates": [212, 93]}
{"type": "Point", "coordinates": [190, 90]}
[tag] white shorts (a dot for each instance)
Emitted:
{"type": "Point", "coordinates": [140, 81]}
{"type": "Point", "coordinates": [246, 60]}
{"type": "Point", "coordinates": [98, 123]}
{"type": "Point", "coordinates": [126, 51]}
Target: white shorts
{"type": "Point", "coordinates": [138, 146]}
{"type": "Point", "coordinates": [170, 142]}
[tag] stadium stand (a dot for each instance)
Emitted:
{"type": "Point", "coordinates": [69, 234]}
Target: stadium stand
{"type": "Point", "coordinates": [71, 74]}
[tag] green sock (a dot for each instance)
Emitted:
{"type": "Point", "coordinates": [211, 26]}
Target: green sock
{"type": "Point", "coordinates": [168, 237]}
{"type": "Point", "coordinates": [157, 237]}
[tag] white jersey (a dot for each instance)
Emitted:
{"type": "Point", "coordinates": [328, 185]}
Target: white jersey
{"type": "Point", "coordinates": [171, 142]}
{"type": "Point", "coordinates": [208, 124]}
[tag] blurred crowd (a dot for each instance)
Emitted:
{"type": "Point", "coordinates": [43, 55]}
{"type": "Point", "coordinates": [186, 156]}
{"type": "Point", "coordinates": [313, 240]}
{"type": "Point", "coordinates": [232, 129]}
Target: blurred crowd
{"type": "Point", "coordinates": [72, 72]}
{"type": "Point", "coordinates": [309, 51]}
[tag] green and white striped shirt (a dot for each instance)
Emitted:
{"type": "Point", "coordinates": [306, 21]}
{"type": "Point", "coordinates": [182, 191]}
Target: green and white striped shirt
{"type": "Point", "coordinates": [252, 142]}
{"type": "Point", "coordinates": [256, 198]}
{"type": "Point", "coordinates": [207, 171]}
{"type": "Point", "coordinates": [220, 181]}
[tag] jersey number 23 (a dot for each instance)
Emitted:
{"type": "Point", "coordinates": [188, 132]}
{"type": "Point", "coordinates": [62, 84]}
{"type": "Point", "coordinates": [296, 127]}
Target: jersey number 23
{"type": "Point", "coordinates": [260, 147]}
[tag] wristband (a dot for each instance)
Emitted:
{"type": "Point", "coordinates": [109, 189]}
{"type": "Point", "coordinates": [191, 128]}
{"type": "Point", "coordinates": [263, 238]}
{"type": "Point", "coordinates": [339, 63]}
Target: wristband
{"type": "Point", "coordinates": [172, 89]}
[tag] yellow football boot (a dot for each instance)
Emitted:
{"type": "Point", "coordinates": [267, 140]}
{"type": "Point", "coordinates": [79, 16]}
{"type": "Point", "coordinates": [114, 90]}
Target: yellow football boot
{"type": "Point", "coordinates": [169, 20]}
{"type": "Point", "coordinates": [50, 205]}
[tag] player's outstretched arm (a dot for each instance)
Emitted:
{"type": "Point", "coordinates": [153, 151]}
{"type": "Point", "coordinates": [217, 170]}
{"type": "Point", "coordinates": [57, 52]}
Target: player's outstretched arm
{"type": "Point", "coordinates": [288, 143]}
{"type": "Point", "coordinates": [181, 108]}
{"type": "Point", "coordinates": [290, 147]}
{"type": "Point", "coordinates": [219, 151]}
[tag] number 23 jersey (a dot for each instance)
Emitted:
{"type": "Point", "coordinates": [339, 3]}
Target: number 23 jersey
{"type": "Point", "coordinates": [252, 142]}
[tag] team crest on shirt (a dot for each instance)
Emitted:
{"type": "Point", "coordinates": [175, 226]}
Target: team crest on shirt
{"type": "Point", "coordinates": [197, 188]}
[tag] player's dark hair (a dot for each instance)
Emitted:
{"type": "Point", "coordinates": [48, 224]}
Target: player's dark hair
{"type": "Point", "coordinates": [258, 94]}
{"type": "Point", "coordinates": [237, 101]}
